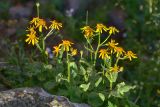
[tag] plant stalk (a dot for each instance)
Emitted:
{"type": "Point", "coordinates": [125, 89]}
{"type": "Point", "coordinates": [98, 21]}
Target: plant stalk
{"type": "Point", "coordinates": [68, 68]}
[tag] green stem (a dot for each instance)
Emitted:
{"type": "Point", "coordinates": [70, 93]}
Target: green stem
{"type": "Point", "coordinates": [40, 49]}
{"type": "Point", "coordinates": [68, 68]}
{"type": "Point", "coordinates": [89, 44]}
{"type": "Point", "coordinates": [99, 45]}
{"type": "Point", "coordinates": [48, 34]}
{"type": "Point", "coordinates": [96, 52]}
{"type": "Point", "coordinates": [105, 40]}
{"type": "Point", "coordinates": [43, 44]}
{"type": "Point", "coordinates": [103, 72]}
{"type": "Point", "coordinates": [111, 85]}
{"type": "Point", "coordinates": [117, 60]}
{"type": "Point", "coordinates": [91, 56]}
{"type": "Point", "coordinates": [45, 57]}
{"type": "Point", "coordinates": [43, 53]}
{"type": "Point", "coordinates": [103, 76]}
{"type": "Point", "coordinates": [37, 5]}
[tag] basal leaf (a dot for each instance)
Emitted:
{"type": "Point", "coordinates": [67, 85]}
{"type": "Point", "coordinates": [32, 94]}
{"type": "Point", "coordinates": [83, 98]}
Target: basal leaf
{"type": "Point", "coordinates": [85, 87]}
{"type": "Point", "coordinates": [111, 104]}
{"type": "Point", "coordinates": [98, 82]}
{"type": "Point", "coordinates": [102, 96]}
{"type": "Point", "coordinates": [94, 100]}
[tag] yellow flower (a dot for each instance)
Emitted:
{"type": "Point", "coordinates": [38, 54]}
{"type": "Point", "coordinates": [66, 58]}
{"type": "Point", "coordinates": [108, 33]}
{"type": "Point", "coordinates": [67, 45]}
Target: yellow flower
{"type": "Point", "coordinates": [103, 53]}
{"type": "Point", "coordinates": [40, 24]}
{"type": "Point", "coordinates": [88, 31]}
{"type": "Point", "coordinates": [34, 21]}
{"type": "Point", "coordinates": [116, 69]}
{"type": "Point", "coordinates": [32, 38]}
{"type": "Point", "coordinates": [112, 30]}
{"type": "Point", "coordinates": [66, 45]}
{"type": "Point", "coordinates": [100, 28]}
{"type": "Point", "coordinates": [73, 52]}
{"type": "Point", "coordinates": [56, 50]}
{"type": "Point", "coordinates": [55, 25]}
{"type": "Point", "coordinates": [130, 55]}
{"type": "Point", "coordinates": [112, 45]}
{"type": "Point", "coordinates": [119, 51]}
{"type": "Point", "coordinates": [31, 29]}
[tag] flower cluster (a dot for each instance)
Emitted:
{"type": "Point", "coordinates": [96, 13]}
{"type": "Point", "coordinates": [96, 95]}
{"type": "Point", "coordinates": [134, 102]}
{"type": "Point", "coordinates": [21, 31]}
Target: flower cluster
{"type": "Point", "coordinates": [65, 46]}
{"type": "Point", "coordinates": [89, 32]}
{"type": "Point", "coordinates": [120, 52]}
{"type": "Point", "coordinates": [40, 24]}
{"type": "Point", "coordinates": [113, 48]}
{"type": "Point", "coordinates": [83, 69]}
{"type": "Point", "coordinates": [108, 48]}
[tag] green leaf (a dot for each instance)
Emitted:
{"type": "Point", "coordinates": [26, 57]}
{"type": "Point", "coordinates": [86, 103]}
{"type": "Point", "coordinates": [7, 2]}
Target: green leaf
{"type": "Point", "coordinates": [82, 69]}
{"type": "Point", "coordinates": [60, 77]}
{"type": "Point", "coordinates": [73, 65]}
{"type": "Point", "coordinates": [111, 76]}
{"type": "Point", "coordinates": [74, 68]}
{"type": "Point", "coordinates": [49, 85]}
{"type": "Point", "coordinates": [75, 97]}
{"type": "Point", "coordinates": [49, 66]}
{"type": "Point", "coordinates": [90, 50]}
{"type": "Point", "coordinates": [41, 77]}
{"type": "Point", "coordinates": [85, 87]}
{"type": "Point", "coordinates": [111, 105]}
{"type": "Point", "coordinates": [123, 88]}
{"type": "Point", "coordinates": [120, 90]}
{"type": "Point", "coordinates": [63, 92]}
{"type": "Point", "coordinates": [114, 76]}
{"type": "Point", "coordinates": [101, 96]}
{"type": "Point", "coordinates": [94, 100]}
{"type": "Point", "coordinates": [98, 82]}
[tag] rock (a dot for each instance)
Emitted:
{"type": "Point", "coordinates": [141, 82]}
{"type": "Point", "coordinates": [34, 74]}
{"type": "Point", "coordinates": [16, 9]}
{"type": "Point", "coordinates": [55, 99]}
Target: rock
{"type": "Point", "coordinates": [33, 97]}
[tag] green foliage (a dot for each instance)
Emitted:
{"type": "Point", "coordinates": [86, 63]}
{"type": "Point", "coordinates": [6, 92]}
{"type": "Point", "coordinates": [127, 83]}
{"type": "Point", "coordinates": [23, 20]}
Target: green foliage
{"type": "Point", "coordinates": [111, 105]}
{"type": "Point", "coordinates": [120, 90]}
{"type": "Point", "coordinates": [142, 25]}
{"type": "Point", "coordinates": [4, 9]}
{"type": "Point", "coordinates": [94, 100]}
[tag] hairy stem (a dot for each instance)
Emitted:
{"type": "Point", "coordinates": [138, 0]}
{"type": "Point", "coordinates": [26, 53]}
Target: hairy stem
{"type": "Point", "coordinates": [48, 34]}
{"type": "Point", "coordinates": [68, 68]}
{"type": "Point", "coordinates": [96, 52]}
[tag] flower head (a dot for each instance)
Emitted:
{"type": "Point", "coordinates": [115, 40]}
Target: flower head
{"type": "Point", "coordinates": [34, 21]}
{"type": "Point", "coordinates": [103, 53]}
{"type": "Point", "coordinates": [56, 50]}
{"type": "Point", "coordinates": [119, 51]}
{"type": "Point", "coordinates": [73, 52]}
{"type": "Point", "coordinates": [88, 31]}
{"type": "Point", "coordinates": [130, 55]}
{"type": "Point", "coordinates": [32, 38]}
{"type": "Point", "coordinates": [100, 28]}
{"type": "Point", "coordinates": [31, 29]}
{"type": "Point", "coordinates": [113, 30]}
{"type": "Point", "coordinates": [116, 69]}
{"type": "Point", "coordinates": [55, 25]}
{"type": "Point", "coordinates": [112, 45]}
{"type": "Point", "coordinates": [66, 45]}
{"type": "Point", "coordinates": [40, 24]}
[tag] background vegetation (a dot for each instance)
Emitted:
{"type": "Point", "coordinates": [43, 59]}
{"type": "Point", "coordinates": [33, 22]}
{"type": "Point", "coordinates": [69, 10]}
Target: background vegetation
{"type": "Point", "coordinates": [137, 20]}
